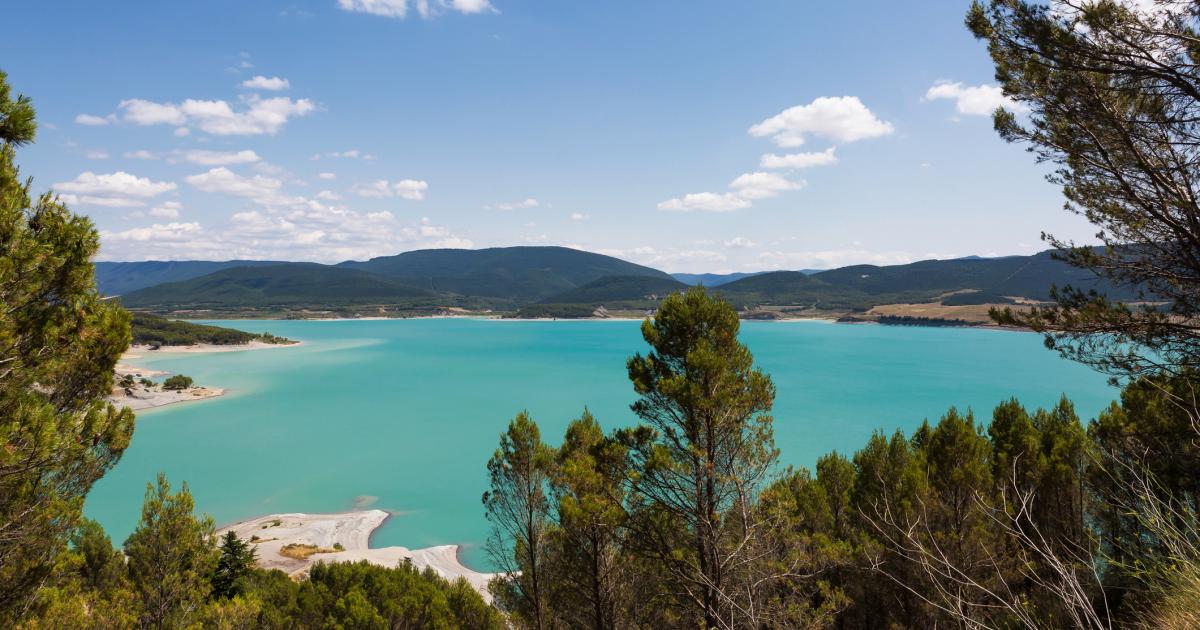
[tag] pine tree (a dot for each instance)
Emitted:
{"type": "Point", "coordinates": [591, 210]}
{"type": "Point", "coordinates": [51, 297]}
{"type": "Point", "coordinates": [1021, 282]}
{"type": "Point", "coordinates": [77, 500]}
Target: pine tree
{"type": "Point", "coordinates": [171, 557]}
{"type": "Point", "coordinates": [236, 561]}
{"type": "Point", "coordinates": [59, 343]}
{"type": "Point", "coordinates": [703, 451]}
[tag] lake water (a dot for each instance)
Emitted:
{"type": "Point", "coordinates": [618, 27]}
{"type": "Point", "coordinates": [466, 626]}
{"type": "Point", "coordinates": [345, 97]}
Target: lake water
{"type": "Point", "coordinates": [403, 415]}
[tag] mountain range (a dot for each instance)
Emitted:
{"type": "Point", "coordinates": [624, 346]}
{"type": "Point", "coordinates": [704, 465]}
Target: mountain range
{"type": "Point", "coordinates": [565, 282]}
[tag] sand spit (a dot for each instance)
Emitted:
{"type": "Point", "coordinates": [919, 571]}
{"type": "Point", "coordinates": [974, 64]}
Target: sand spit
{"type": "Point", "coordinates": [352, 531]}
{"type": "Point", "coordinates": [140, 397]}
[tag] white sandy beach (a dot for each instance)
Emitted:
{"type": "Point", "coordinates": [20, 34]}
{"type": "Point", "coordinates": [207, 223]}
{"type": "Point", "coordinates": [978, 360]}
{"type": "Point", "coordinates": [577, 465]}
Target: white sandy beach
{"type": "Point", "coordinates": [141, 397]}
{"type": "Point", "coordinates": [353, 531]}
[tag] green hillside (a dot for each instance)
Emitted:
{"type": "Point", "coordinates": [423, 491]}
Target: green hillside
{"type": "Point", "coordinates": [613, 293]}
{"type": "Point", "coordinates": [860, 287]}
{"type": "Point", "coordinates": [119, 278]}
{"type": "Point", "coordinates": [284, 285]}
{"type": "Point", "coordinates": [520, 274]}
{"type": "Point", "coordinates": [150, 330]}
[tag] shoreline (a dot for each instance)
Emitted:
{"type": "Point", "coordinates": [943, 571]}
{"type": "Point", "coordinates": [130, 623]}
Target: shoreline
{"type": "Point", "coordinates": [353, 531]}
{"type": "Point", "coordinates": [143, 398]}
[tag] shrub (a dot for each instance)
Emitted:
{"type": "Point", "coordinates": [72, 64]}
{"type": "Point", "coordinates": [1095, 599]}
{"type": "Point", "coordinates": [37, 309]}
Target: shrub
{"type": "Point", "coordinates": [177, 382]}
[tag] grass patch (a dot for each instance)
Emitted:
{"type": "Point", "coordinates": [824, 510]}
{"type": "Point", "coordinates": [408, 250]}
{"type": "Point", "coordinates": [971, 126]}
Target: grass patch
{"type": "Point", "coordinates": [301, 551]}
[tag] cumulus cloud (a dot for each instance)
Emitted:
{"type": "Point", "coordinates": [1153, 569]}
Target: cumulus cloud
{"type": "Point", "coordinates": [977, 100]}
{"type": "Point", "coordinates": [167, 210]}
{"type": "Point", "coordinates": [273, 84]}
{"type": "Point", "coordinates": [411, 189]}
{"type": "Point", "coordinates": [837, 118]}
{"type": "Point", "coordinates": [260, 116]}
{"type": "Point", "coordinates": [831, 259]}
{"type": "Point", "coordinates": [705, 201]}
{"type": "Point", "coordinates": [92, 121]}
{"type": "Point", "coordinates": [140, 154]}
{"type": "Point", "coordinates": [219, 158]}
{"type": "Point", "coordinates": [326, 175]}
{"type": "Point", "coordinates": [159, 233]}
{"type": "Point", "coordinates": [740, 242]}
{"type": "Point", "coordinates": [425, 8]}
{"type": "Point", "coordinates": [113, 190]}
{"type": "Point", "coordinates": [799, 160]}
{"type": "Point", "coordinates": [761, 185]}
{"type": "Point", "coordinates": [259, 188]}
{"type": "Point", "coordinates": [528, 202]}
{"type": "Point", "coordinates": [747, 188]}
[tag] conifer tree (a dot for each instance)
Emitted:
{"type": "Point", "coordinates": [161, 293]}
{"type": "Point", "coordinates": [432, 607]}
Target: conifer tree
{"type": "Point", "coordinates": [59, 343]}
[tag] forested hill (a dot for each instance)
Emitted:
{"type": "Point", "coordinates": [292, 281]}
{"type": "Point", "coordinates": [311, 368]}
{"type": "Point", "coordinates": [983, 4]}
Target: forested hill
{"type": "Point", "coordinates": [281, 285]}
{"type": "Point", "coordinates": [522, 274]}
{"type": "Point", "coordinates": [563, 282]}
{"type": "Point", "coordinates": [119, 278]}
{"type": "Point", "coordinates": [993, 280]}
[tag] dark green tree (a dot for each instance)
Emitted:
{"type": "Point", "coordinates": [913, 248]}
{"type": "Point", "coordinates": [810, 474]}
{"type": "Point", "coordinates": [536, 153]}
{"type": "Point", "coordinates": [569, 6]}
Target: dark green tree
{"type": "Point", "coordinates": [59, 343]}
{"type": "Point", "coordinates": [701, 455]}
{"type": "Point", "coordinates": [587, 564]}
{"type": "Point", "coordinates": [234, 564]}
{"type": "Point", "coordinates": [171, 556]}
{"type": "Point", "coordinates": [1112, 91]}
{"type": "Point", "coordinates": [518, 507]}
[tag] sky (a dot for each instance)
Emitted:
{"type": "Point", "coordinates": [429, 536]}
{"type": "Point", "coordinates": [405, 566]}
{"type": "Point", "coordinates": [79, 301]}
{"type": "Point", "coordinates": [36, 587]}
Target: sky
{"type": "Point", "coordinates": [696, 136]}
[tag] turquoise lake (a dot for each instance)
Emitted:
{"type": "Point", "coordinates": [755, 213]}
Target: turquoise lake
{"type": "Point", "coordinates": [402, 415]}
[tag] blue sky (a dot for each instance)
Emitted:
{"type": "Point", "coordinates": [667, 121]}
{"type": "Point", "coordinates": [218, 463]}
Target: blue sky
{"type": "Point", "coordinates": [691, 136]}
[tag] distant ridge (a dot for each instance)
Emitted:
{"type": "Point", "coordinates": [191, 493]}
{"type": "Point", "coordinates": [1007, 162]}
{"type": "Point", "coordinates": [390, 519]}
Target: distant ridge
{"type": "Point", "coordinates": [524, 274]}
{"type": "Point", "coordinates": [118, 278]}
{"type": "Point", "coordinates": [279, 285]}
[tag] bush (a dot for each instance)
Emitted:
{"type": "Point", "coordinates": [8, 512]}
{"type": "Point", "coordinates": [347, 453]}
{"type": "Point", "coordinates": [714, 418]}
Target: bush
{"type": "Point", "coordinates": [177, 382]}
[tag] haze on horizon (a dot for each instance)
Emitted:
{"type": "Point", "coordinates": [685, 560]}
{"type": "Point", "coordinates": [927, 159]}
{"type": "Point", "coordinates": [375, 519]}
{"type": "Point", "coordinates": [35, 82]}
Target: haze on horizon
{"type": "Point", "coordinates": [741, 137]}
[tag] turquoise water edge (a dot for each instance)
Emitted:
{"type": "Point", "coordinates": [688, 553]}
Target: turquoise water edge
{"type": "Point", "coordinates": [402, 415]}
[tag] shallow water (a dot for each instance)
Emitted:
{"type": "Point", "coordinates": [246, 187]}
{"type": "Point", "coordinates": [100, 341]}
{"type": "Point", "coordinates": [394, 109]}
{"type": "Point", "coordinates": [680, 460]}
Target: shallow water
{"type": "Point", "coordinates": [403, 414]}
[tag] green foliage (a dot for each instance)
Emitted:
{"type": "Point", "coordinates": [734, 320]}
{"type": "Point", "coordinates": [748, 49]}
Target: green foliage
{"type": "Point", "coordinates": [177, 382]}
{"type": "Point", "coordinates": [171, 558]}
{"type": "Point", "coordinates": [158, 331]}
{"type": "Point", "coordinates": [935, 322]}
{"type": "Point", "coordinates": [521, 274]}
{"type": "Point", "coordinates": [236, 560]}
{"type": "Point", "coordinates": [59, 343]}
{"type": "Point", "coordinates": [282, 285]}
{"type": "Point", "coordinates": [518, 508]}
{"type": "Point", "coordinates": [119, 278]}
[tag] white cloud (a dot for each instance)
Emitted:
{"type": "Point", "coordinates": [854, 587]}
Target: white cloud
{"type": "Point", "coordinates": [840, 119]}
{"type": "Point", "coordinates": [167, 210]}
{"type": "Point", "coordinates": [114, 190]}
{"type": "Point", "coordinates": [425, 8]}
{"type": "Point", "coordinates": [831, 259]}
{"type": "Point", "coordinates": [328, 195]}
{"type": "Point", "coordinates": [706, 201]}
{"type": "Point", "coordinates": [326, 176]}
{"type": "Point", "coordinates": [158, 233]}
{"type": "Point", "coordinates": [260, 116]}
{"type": "Point", "coordinates": [739, 242]}
{"type": "Point", "coordinates": [182, 132]}
{"type": "Point", "coordinates": [261, 189]}
{"type": "Point", "coordinates": [93, 121]}
{"type": "Point", "coordinates": [579, 217]}
{"type": "Point", "coordinates": [140, 154]}
{"type": "Point", "coordinates": [259, 82]}
{"type": "Point", "coordinates": [799, 160]}
{"type": "Point", "coordinates": [219, 158]}
{"type": "Point", "coordinates": [760, 185]}
{"type": "Point", "coordinates": [528, 202]}
{"type": "Point", "coordinates": [411, 189]}
{"type": "Point", "coordinates": [96, 154]}
{"type": "Point", "coordinates": [977, 100]}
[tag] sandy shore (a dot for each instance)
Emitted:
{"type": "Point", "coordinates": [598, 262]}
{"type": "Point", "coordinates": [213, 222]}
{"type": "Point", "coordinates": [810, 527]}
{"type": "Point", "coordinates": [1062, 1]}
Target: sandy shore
{"type": "Point", "coordinates": [137, 351]}
{"type": "Point", "coordinates": [352, 530]}
{"type": "Point", "coordinates": [142, 397]}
